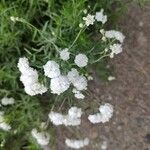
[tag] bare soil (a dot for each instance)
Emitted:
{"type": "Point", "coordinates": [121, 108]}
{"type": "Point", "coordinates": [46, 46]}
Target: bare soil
{"type": "Point", "coordinates": [129, 129]}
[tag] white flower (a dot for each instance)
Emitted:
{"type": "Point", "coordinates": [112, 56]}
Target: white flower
{"type": "Point", "coordinates": [14, 19]}
{"type": "Point", "coordinates": [90, 78]}
{"type": "Point", "coordinates": [104, 38]}
{"type": "Point", "coordinates": [73, 118]}
{"type": "Point", "coordinates": [41, 137]}
{"type": "Point", "coordinates": [29, 77]}
{"type": "Point", "coordinates": [115, 49]}
{"type": "Point", "coordinates": [56, 118]}
{"type": "Point", "coordinates": [85, 11]}
{"type": "Point", "coordinates": [75, 112]}
{"type": "Point", "coordinates": [7, 101]}
{"type": "Point", "coordinates": [78, 81]}
{"type": "Point", "coordinates": [81, 60]}
{"type": "Point", "coordinates": [77, 144]}
{"type": "Point", "coordinates": [106, 112]}
{"type": "Point", "coordinates": [68, 121]}
{"type": "Point", "coordinates": [89, 19]}
{"type": "Point", "coordinates": [79, 95]}
{"type": "Point", "coordinates": [110, 78]}
{"type": "Point", "coordinates": [81, 25]}
{"type": "Point", "coordinates": [81, 83]}
{"type": "Point", "coordinates": [101, 17]}
{"type": "Point", "coordinates": [102, 31]}
{"type": "Point", "coordinates": [51, 69]}
{"type": "Point", "coordinates": [96, 118]}
{"type": "Point", "coordinates": [73, 75]}
{"type": "Point", "coordinates": [115, 34]}
{"type": "Point", "coordinates": [35, 89]}
{"type": "Point", "coordinates": [23, 64]}
{"type": "Point", "coordinates": [104, 145]}
{"type": "Point", "coordinates": [106, 49]}
{"type": "Point", "coordinates": [3, 125]}
{"type": "Point", "coordinates": [75, 91]}
{"type": "Point", "coordinates": [59, 85]}
{"type": "Point", "coordinates": [64, 54]}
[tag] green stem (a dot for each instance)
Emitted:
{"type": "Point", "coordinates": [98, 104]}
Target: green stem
{"type": "Point", "coordinates": [77, 37]}
{"type": "Point", "coordinates": [100, 58]}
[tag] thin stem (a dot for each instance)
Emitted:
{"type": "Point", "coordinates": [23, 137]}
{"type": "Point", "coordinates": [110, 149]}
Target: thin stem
{"type": "Point", "coordinates": [100, 58]}
{"type": "Point", "coordinates": [77, 37]}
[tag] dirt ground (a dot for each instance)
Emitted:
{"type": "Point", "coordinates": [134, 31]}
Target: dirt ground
{"type": "Point", "coordinates": [129, 129]}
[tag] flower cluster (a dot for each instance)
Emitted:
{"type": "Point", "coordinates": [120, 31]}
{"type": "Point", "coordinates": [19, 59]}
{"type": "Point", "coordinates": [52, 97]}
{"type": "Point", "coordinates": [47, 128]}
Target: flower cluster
{"type": "Point", "coordinates": [41, 137]}
{"type": "Point", "coordinates": [14, 19]}
{"type": "Point", "coordinates": [114, 48]}
{"type": "Point", "coordinates": [78, 81]}
{"type": "Point", "coordinates": [73, 118]}
{"type": "Point", "coordinates": [60, 83]}
{"type": "Point", "coordinates": [106, 112]}
{"type": "Point", "coordinates": [65, 54]}
{"type": "Point", "coordinates": [7, 101]}
{"type": "Point", "coordinates": [29, 78]}
{"type": "Point", "coordinates": [77, 144]}
{"type": "Point", "coordinates": [81, 60]}
{"type": "Point", "coordinates": [51, 69]}
{"type": "Point", "coordinates": [113, 34]}
{"type": "Point", "coordinates": [99, 17]}
{"type": "Point", "coordinates": [111, 78]}
{"type": "Point", "coordinates": [3, 125]}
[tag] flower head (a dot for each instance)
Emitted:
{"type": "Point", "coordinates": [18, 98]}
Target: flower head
{"type": "Point", "coordinates": [56, 118]}
{"type": "Point", "coordinates": [115, 49]}
{"type": "Point", "coordinates": [81, 83]}
{"type": "Point", "coordinates": [7, 101]}
{"type": "Point", "coordinates": [110, 78]}
{"type": "Point", "coordinates": [35, 88]}
{"type": "Point", "coordinates": [23, 65]}
{"type": "Point", "coordinates": [14, 19]}
{"type": "Point", "coordinates": [73, 118]}
{"type": "Point", "coordinates": [73, 75]}
{"type": "Point", "coordinates": [51, 69]}
{"type": "Point", "coordinates": [81, 60]}
{"type": "Point", "coordinates": [77, 144]}
{"type": "Point", "coordinates": [29, 78]}
{"type": "Point", "coordinates": [79, 95]}
{"type": "Point", "coordinates": [64, 54]}
{"type": "Point", "coordinates": [41, 137]}
{"type": "Point", "coordinates": [89, 19]}
{"type": "Point", "coordinates": [75, 112]}
{"type": "Point", "coordinates": [101, 17]}
{"type": "Point", "coordinates": [115, 34]}
{"type": "Point", "coordinates": [3, 125]}
{"type": "Point", "coordinates": [106, 112]}
{"type": "Point", "coordinates": [59, 85]}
